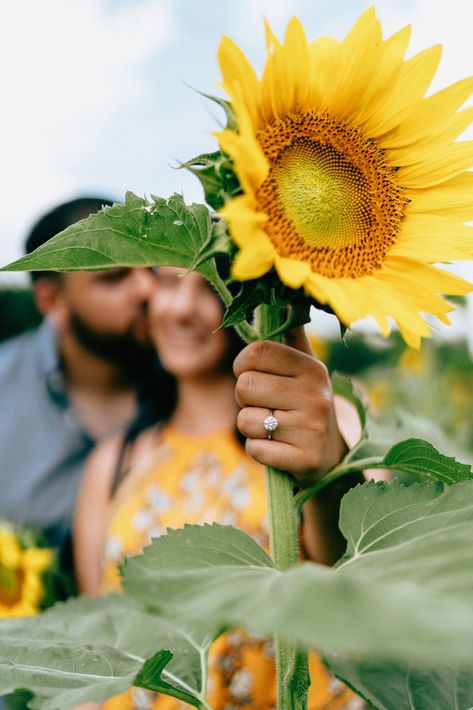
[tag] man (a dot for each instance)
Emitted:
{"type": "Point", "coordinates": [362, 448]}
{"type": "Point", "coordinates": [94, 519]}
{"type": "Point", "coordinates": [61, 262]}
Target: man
{"type": "Point", "coordinates": [70, 382]}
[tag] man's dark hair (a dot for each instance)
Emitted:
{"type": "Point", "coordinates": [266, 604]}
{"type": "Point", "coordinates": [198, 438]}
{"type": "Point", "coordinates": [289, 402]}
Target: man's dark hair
{"type": "Point", "coordinates": [56, 220]}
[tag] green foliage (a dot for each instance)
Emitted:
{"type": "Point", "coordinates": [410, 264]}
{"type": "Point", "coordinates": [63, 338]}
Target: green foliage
{"type": "Point", "coordinates": [379, 446]}
{"type": "Point", "coordinates": [422, 459]}
{"type": "Point", "coordinates": [399, 600]}
{"type": "Point", "coordinates": [390, 686]}
{"type": "Point", "coordinates": [268, 290]}
{"type": "Point", "coordinates": [91, 649]}
{"type": "Point", "coordinates": [18, 311]}
{"type": "Point", "coordinates": [217, 177]}
{"type": "Point", "coordinates": [345, 388]}
{"type": "Point", "coordinates": [342, 609]}
{"type": "Point", "coordinates": [138, 233]}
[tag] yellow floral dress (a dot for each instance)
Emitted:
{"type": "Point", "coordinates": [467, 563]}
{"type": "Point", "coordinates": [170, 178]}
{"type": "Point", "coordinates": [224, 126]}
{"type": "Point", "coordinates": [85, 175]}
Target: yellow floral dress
{"type": "Point", "coordinates": [199, 480]}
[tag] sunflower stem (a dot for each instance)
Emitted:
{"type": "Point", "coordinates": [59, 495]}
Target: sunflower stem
{"type": "Point", "coordinates": [291, 662]}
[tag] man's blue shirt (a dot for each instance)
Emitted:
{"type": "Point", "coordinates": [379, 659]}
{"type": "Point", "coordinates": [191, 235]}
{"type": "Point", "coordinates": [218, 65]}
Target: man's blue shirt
{"type": "Point", "coordinates": [42, 444]}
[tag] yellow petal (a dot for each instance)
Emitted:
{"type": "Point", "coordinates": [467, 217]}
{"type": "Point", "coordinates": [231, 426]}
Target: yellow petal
{"type": "Point", "coordinates": [244, 221]}
{"type": "Point", "coordinates": [325, 63]}
{"type": "Point", "coordinates": [350, 299]}
{"type": "Point", "coordinates": [239, 77]}
{"type": "Point", "coordinates": [251, 165]}
{"type": "Point", "coordinates": [430, 238]}
{"type": "Point", "coordinates": [296, 51]}
{"type": "Point", "coordinates": [442, 166]}
{"type": "Point", "coordinates": [414, 80]}
{"type": "Point", "coordinates": [453, 197]}
{"type": "Point", "coordinates": [360, 59]}
{"type": "Point", "coordinates": [254, 261]}
{"type": "Point", "coordinates": [423, 149]}
{"type": "Point", "coordinates": [37, 559]}
{"type": "Point", "coordinates": [272, 41]}
{"type": "Point", "coordinates": [391, 61]}
{"type": "Point", "coordinates": [402, 270]}
{"type": "Point", "coordinates": [292, 272]}
{"type": "Point", "coordinates": [430, 115]}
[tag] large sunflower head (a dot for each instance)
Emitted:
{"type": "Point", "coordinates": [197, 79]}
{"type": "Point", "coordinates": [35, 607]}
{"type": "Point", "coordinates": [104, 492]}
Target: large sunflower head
{"type": "Point", "coordinates": [353, 183]}
{"type": "Point", "coordinates": [21, 572]}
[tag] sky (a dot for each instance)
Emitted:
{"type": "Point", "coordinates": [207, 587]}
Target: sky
{"type": "Point", "coordinates": [101, 96]}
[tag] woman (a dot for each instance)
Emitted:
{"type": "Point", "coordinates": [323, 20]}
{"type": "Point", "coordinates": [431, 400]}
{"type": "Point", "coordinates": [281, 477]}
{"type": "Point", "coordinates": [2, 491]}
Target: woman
{"type": "Point", "coordinates": [190, 467]}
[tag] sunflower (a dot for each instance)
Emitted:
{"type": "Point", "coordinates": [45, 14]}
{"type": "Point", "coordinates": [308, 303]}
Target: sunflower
{"type": "Point", "coordinates": [21, 570]}
{"type": "Point", "coordinates": [352, 183]}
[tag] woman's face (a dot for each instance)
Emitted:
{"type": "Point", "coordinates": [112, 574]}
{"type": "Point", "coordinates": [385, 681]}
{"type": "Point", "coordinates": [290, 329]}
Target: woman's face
{"type": "Point", "coordinates": [184, 312]}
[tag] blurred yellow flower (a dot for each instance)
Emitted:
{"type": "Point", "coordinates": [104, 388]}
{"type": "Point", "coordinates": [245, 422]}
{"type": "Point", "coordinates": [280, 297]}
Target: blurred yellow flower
{"type": "Point", "coordinates": [380, 395]}
{"type": "Point", "coordinates": [319, 346]}
{"type": "Point", "coordinates": [353, 184]}
{"type": "Point", "coordinates": [21, 571]}
{"type": "Point", "coordinates": [413, 362]}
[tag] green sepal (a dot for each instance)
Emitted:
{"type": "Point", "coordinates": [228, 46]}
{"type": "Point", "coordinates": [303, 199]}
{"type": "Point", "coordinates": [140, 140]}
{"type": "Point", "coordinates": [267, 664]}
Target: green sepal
{"type": "Point", "coordinates": [268, 290]}
{"type": "Point", "coordinates": [218, 242]}
{"type": "Point", "coordinates": [227, 107]}
{"type": "Point", "coordinates": [217, 176]}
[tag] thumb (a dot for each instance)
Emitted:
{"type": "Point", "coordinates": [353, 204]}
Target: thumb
{"type": "Point", "coordinates": [297, 339]}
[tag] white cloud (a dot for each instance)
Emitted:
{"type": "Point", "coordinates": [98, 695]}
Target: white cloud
{"type": "Point", "coordinates": [250, 14]}
{"type": "Point", "coordinates": [65, 69]}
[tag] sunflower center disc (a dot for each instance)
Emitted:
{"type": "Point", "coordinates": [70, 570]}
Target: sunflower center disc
{"type": "Point", "coordinates": [330, 198]}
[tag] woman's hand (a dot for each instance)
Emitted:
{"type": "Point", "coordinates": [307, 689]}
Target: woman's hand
{"type": "Point", "coordinates": [289, 380]}
{"type": "Point", "coordinates": [307, 443]}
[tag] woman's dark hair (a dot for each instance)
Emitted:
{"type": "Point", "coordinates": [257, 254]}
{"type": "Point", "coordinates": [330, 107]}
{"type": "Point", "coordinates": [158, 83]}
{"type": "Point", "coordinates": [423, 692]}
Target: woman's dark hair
{"type": "Point", "coordinates": [158, 409]}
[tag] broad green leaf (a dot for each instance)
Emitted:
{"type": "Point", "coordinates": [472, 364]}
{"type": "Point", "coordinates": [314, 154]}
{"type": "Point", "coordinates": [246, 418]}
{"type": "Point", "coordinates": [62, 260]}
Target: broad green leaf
{"type": "Point", "coordinates": [421, 531]}
{"type": "Point", "coordinates": [374, 604]}
{"type": "Point", "coordinates": [197, 547]}
{"type": "Point", "coordinates": [91, 649]}
{"type": "Point", "coordinates": [421, 458]}
{"type": "Point", "coordinates": [415, 457]}
{"type": "Point", "coordinates": [383, 432]}
{"type": "Point", "coordinates": [397, 687]}
{"type": "Point", "coordinates": [138, 233]}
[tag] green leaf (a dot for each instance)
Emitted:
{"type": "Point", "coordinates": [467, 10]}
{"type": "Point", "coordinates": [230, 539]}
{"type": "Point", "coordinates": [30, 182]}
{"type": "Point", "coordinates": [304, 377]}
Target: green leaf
{"type": "Point", "coordinates": [251, 294]}
{"type": "Point", "coordinates": [218, 242]}
{"type": "Point", "coordinates": [400, 596]}
{"type": "Point", "coordinates": [421, 458]}
{"type": "Point", "coordinates": [410, 603]}
{"type": "Point", "coordinates": [217, 176]}
{"type": "Point", "coordinates": [345, 388]}
{"type": "Point", "coordinates": [138, 233]}
{"type": "Point", "coordinates": [92, 649]}
{"type": "Point", "coordinates": [419, 530]}
{"type": "Point", "coordinates": [268, 290]}
{"type": "Point", "coordinates": [18, 700]}
{"type": "Point", "coordinates": [389, 686]}
{"type": "Point", "coordinates": [227, 107]}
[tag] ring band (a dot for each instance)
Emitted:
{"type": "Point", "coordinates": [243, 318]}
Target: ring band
{"type": "Point", "coordinates": [270, 423]}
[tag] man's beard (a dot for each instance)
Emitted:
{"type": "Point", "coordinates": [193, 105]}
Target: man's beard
{"type": "Point", "coordinates": [124, 350]}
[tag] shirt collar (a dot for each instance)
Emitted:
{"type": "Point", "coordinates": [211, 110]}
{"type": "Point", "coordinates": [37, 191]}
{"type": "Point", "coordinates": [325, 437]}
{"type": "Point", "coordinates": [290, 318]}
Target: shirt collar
{"type": "Point", "coordinates": [50, 363]}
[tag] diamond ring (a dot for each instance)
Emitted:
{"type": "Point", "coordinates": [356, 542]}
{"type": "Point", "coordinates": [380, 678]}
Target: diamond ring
{"type": "Point", "coordinates": [270, 423]}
